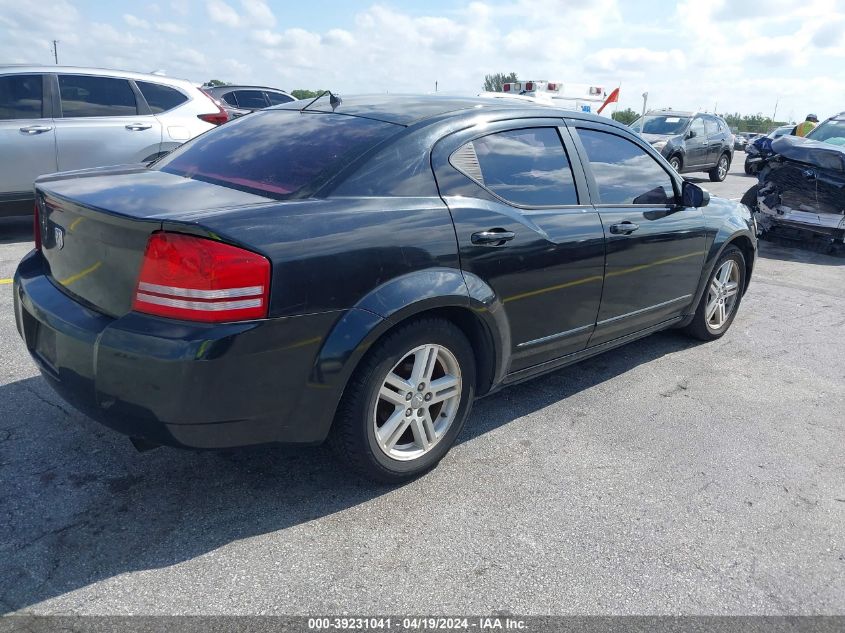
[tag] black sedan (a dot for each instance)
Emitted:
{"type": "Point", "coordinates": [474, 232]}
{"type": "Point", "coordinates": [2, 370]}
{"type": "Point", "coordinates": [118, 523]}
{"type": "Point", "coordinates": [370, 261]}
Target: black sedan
{"type": "Point", "coordinates": [363, 270]}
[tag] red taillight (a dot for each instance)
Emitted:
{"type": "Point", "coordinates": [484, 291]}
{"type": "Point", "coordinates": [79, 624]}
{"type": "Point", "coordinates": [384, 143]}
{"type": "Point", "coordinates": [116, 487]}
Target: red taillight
{"type": "Point", "coordinates": [36, 227]}
{"type": "Point", "coordinates": [215, 118]}
{"type": "Point", "coordinates": [197, 279]}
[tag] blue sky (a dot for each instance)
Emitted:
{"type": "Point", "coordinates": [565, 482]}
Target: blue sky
{"type": "Point", "coordinates": [734, 56]}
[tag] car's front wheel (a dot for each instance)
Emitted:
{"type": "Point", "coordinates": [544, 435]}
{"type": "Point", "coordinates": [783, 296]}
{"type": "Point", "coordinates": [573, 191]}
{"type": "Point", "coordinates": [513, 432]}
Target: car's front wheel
{"type": "Point", "coordinates": [675, 162]}
{"type": "Point", "coordinates": [719, 303]}
{"type": "Point", "coordinates": [407, 402]}
{"type": "Point", "coordinates": [720, 171]}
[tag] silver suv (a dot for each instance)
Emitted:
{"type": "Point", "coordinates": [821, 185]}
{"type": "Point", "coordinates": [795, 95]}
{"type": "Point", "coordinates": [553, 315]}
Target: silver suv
{"type": "Point", "coordinates": [60, 118]}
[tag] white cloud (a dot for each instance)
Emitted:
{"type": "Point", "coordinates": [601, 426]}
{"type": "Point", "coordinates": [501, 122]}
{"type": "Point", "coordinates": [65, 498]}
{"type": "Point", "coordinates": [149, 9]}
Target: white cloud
{"type": "Point", "coordinates": [135, 22]}
{"type": "Point", "coordinates": [257, 12]}
{"type": "Point", "coordinates": [222, 13]}
{"type": "Point", "coordinates": [339, 37]}
{"type": "Point", "coordinates": [686, 54]}
{"type": "Point", "coordinates": [170, 27]}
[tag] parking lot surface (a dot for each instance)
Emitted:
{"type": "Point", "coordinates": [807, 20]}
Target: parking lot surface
{"type": "Point", "coordinates": [664, 477]}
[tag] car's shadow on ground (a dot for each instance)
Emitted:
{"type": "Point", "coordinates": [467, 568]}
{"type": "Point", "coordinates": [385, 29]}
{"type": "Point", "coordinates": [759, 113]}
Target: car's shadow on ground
{"type": "Point", "coordinates": [15, 230]}
{"type": "Point", "coordinates": [78, 505]}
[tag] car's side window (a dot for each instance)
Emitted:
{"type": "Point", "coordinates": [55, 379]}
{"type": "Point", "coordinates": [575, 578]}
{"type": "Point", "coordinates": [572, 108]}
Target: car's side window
{"type": "Point", "coordinates": [277, 98]}
{"type": "Point", "coordinates": [624, 172]}
{"type": "Point", "coordinates": [527, 167]}
{"type": "Point", "coordinates": [160, 98]}
{"type": "Point", "coordinates": [698, 127]}
{"type": "Point", "coordinates": [88, 96]}
{"type": "Point", "coordinates": [230, 98]}
{"type": "Point", "coordinates": [253, 99]}
{"type": "Point", "coordinates": [21, 97]}
{"type": "Point", "coordinates": [710, 126]}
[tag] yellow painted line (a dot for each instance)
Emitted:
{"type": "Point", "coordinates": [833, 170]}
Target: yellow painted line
{"type": "Point", "coordinates": [78, 276]}
{"type": "Point", "coordinates": [5, 281]}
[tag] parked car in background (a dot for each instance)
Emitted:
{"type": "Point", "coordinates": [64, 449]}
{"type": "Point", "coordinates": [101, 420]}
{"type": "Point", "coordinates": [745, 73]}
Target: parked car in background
{"type": "Point", "coordinates": [690, 141]}
{"type": "Point", "coordinates": [423, 251]}
{"type": "Point", "coordinates": [740, 141]}
{"type": "Point", "coordinates": [61, 118]}
{"type": "Point", "coordinates": [241, 100]}
{"type": "Point", "coordinates": [761, 148]}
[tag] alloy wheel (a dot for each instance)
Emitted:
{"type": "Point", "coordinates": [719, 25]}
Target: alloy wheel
{"type": "Point", "coordinates": [417, 402]}
{"type": "Point", "coordinates": [722, 295]}
{"type": "Point", "coordinates": [723, 168]}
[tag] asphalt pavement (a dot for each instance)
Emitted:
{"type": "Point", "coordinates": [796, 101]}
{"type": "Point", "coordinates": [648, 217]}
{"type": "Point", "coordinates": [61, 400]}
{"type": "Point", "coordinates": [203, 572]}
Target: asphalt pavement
{"type": "Point", "coordinates": [665, 477]}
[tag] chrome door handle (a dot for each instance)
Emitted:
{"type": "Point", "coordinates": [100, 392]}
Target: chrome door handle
{"type": "Point", "coordinates": [137, 127]}
{"type": "Point", "coordinates": [624, 228]}
{"type": "Point", "coordinates": [493, 237]}
{"type": "Point", "coordinates": [36, 129]}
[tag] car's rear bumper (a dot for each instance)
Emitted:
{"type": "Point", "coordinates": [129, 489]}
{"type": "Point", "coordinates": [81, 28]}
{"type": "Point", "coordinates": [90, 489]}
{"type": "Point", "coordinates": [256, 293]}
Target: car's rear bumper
{"type": "Point", "coordinates": [173, 382]}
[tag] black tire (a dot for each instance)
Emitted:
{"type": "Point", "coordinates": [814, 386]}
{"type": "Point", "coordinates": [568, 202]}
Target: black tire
{"type": "Point", "coordinates": [716, 174]}
{"type": "Point", "coordinates": [748, 170]}
{"type": "Point", "coordinates": [353, 434]}
{"type": "Point", "coordinates": [675, 162]}
{"type": "Point", "coordinates": [749, 199]}
{"type": "Point", "coordinates": [700, 328]}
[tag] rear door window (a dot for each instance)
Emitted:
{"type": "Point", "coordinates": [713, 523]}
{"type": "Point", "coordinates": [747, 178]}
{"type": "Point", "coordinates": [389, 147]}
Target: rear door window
{"type": "Point", "coordinates": [160, 98]}
{"type": "Point", "coordinates": [527, 167]}
{"type": "Point", "coordinates": [277, 98]}
{"type": "Point", "coordinates": [21, 97]}
{"type": "Point", "coordinates": [88, 96]}
{"type": "Point", "coordinates": [252, 99]}
{"type": "Point", "coordinates": [230, 98]}
{"type": "Point", "coordinates": [624, 172]}
{"type": "Point", "coordinates": [277, 153]}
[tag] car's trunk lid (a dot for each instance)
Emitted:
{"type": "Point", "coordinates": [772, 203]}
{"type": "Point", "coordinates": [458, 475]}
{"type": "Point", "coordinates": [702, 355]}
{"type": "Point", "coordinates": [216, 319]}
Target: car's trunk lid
{"type": "Point", "coordinates": [95, 226]}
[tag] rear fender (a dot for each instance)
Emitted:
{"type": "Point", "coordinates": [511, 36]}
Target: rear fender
{"type": "Point", "coordinates": [392, 303]}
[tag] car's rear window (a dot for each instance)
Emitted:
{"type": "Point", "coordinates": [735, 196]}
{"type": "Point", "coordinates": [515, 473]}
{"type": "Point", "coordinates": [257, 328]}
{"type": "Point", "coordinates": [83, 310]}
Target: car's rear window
{"type": "Point", "coordinates": [277, 153]}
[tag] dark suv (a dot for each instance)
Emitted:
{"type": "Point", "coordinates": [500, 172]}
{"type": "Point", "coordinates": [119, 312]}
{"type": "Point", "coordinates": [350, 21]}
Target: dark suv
{"type": "Point", "coordinates": [240, 100]}
{"type": "Point", "coordinates": [690, 141]}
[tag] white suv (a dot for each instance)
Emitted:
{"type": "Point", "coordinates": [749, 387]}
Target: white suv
{"type": "Point", "coordinates": [60, 118]}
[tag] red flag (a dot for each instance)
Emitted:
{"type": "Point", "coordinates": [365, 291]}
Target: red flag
{"type": "Point", "coordinates": [614, 96]}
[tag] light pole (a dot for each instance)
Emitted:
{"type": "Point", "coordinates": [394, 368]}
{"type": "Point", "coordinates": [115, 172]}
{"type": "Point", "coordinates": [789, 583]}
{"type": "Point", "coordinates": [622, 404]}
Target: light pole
{"type": "Point", "coordinates": [645, 102]}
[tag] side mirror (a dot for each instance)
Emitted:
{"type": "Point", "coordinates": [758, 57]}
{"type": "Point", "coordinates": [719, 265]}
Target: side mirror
{"type": "Point", "coordinates": [694, 196]}
{"type": "Point", "coordinates": [691, 134]}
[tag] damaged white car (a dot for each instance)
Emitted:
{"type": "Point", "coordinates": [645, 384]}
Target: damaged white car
{"type": "Point", "coordinates": [801, 189]}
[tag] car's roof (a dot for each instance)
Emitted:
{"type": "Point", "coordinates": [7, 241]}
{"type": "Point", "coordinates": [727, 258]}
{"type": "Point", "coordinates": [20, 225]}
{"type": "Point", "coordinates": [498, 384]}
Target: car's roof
{"type": "Point", "coordinates": [410, 109]}
{"type": "Point", "coordinates": [241, 87]}
{"type": "Point", "coordinates": [85, 70]}
{"type": "Point", "coordinates": [670, 113]}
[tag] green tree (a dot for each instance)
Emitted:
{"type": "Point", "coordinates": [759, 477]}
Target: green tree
{"type": "Point", "coordinates": [216, 82]}
{"type": "Point", "coordinates": [301, 93]}
{"type": "Point", "coordinates": [626, 116]}
{"type": "Point", "coordinates": [494, 83]}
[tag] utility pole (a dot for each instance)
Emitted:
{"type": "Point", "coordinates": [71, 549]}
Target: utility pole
{"type": "Point", "coordinates": [56, 51]}
{"type": "Point", "coordinates": [645, 102]}
{"type": "Point", "coordinates": [435, 85]}
{"type": "Point", "coordinates": [775, 115]}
